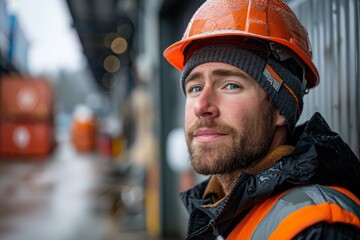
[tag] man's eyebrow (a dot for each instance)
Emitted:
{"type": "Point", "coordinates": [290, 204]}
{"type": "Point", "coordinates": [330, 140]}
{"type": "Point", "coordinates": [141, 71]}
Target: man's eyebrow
{"type": "Point", "coordinates": [192, 76]}
{"type": "Point", "coordinates": [226, 72]}
{"type": "Point", "coordinates": [217, 73]}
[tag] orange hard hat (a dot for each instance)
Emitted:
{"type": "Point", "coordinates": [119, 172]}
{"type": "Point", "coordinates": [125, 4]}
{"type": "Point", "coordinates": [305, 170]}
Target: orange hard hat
{"type": "Point", "coordinates": [269, 20]}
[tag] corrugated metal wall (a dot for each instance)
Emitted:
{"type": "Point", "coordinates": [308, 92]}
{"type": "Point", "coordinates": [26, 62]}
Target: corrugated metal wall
{"type": "Point", "coordinates": [333, 27]}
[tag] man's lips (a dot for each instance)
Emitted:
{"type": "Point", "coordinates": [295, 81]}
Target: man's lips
{"type": "Point", "coordinates": [207, 135]}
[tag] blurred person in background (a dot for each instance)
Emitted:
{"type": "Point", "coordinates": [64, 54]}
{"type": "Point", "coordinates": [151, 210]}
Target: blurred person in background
{"type": "Point", "coordinates": [246, 66]}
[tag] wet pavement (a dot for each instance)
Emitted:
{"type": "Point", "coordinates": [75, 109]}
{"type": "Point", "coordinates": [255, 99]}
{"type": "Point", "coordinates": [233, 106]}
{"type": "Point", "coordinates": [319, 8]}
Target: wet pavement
{"type": "Point", "coordinates": [63, 197]}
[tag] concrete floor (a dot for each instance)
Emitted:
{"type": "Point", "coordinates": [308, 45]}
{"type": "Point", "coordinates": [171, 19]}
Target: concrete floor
{"type": "Point", "coordinates": [62, 197]}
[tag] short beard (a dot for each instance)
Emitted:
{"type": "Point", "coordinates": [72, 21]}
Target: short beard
{"type": "Point", "coordinates": [247, 147]}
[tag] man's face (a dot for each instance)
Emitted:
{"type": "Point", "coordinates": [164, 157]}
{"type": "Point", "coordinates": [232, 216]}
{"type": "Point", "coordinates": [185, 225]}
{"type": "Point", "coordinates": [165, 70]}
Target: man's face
{"type": "Point", "coordinates": [229, 120]}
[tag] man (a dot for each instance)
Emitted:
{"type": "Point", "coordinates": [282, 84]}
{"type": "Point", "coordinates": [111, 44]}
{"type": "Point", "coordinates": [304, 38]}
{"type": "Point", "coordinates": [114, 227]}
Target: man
{"type": "Point", "coordinates": [246, 65]}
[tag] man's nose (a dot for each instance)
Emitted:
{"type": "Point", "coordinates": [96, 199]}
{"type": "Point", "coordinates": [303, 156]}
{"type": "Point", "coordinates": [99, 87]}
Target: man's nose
{"type": "Point", "coordinates": [206, 104]}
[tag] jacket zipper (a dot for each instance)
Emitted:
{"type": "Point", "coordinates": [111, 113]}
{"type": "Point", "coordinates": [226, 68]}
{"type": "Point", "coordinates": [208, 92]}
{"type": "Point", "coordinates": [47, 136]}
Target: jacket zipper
{"type": "Point", "coordinates": [204, 229]}
{"type": "Point", "coordinates": [212, 222]}
{"type": "Point", "coordinates": [215, 230]}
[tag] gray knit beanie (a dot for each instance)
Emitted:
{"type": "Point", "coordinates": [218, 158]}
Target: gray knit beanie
{"type": "Point", "coordinates": [283, 88]}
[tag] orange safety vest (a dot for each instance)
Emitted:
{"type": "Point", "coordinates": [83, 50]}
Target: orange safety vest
{"type": "Point", "coordinates": [285, 215]}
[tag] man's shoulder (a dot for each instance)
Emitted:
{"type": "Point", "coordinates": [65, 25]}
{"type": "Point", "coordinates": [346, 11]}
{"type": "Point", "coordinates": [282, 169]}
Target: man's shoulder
{"type": "Point", "coordinates": [301, 207]}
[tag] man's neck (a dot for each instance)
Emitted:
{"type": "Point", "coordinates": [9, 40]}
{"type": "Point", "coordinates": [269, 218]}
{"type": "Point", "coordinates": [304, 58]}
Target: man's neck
{"type": "Point", "coordinates": [228, 181]}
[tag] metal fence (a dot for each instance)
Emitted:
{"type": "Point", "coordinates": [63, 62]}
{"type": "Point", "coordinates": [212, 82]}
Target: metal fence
{"type": "Point", "coordinates": [333, 27]}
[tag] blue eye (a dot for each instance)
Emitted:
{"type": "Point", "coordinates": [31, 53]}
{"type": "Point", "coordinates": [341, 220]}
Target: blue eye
{"type": "Point", "coordinates": [196, 89]}
{"type": "Point", "coordinates": [232, 86]}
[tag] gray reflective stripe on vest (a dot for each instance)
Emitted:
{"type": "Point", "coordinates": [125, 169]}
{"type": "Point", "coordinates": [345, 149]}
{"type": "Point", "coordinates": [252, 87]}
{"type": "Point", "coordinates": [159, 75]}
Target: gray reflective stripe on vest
{"type": "Point", "coordinates": [298, 198]}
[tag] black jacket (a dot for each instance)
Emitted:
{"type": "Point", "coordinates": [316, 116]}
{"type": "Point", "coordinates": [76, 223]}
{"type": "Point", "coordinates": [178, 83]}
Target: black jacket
{"type": "Point", "coordinates": [320, 157]}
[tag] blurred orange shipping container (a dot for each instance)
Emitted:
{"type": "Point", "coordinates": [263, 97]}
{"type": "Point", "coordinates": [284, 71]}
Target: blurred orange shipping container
{"type": "Point", "coordinates": [26, 139]}
{"type": "Point", "coordinates": [26, 98]}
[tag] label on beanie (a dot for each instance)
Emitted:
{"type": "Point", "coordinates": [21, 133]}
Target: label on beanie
{"type": "Point", "coordinates": [272, 77]}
